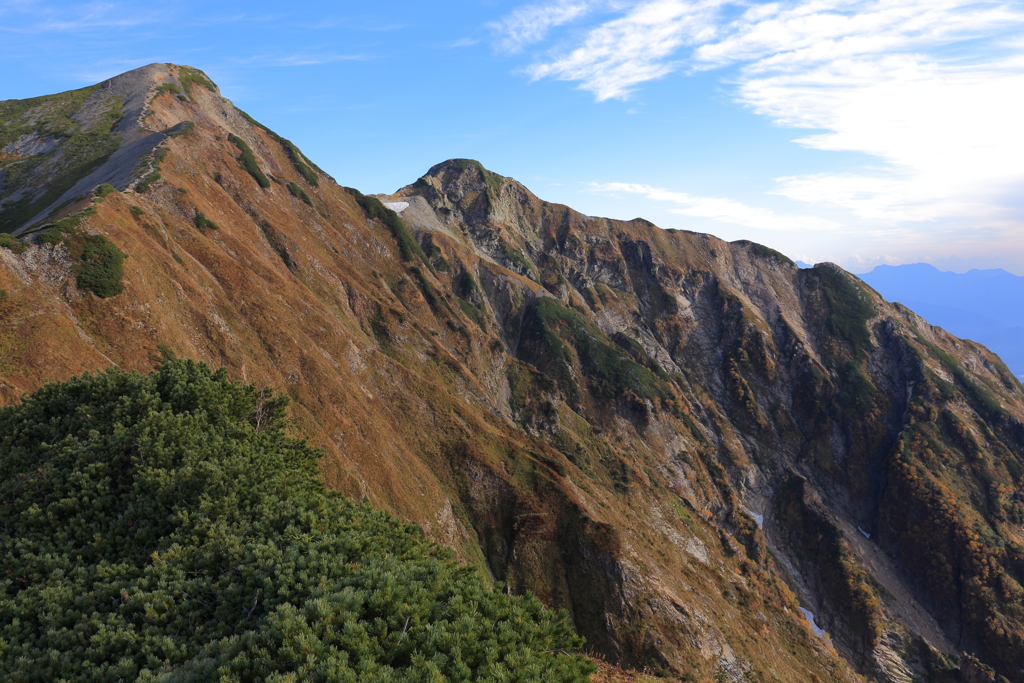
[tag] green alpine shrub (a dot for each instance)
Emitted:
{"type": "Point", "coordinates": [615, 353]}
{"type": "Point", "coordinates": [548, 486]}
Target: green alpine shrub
{"type": "Point", "coordinates": [375, 210]}
{"type": "Point", "coordinates": [169, 528]}
{"type": "Point", "coordinates": [11, 243]}
{"type": "Point", "coordinates": [204, 223]}
{"type": "Point", "coordinates": [99, 270]}
{"type": "Point", "coordinates": [248, 161]}
{"type": "Point", "coordinates": [298, 192]}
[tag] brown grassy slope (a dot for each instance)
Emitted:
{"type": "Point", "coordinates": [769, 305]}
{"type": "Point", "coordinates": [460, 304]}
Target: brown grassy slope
{"type": "Point", "coordinates": [408, 396]}
{"type": "Point", "coordinates": [597, 446]}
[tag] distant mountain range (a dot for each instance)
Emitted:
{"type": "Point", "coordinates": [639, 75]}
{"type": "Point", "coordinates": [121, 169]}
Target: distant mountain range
{"type": "Point", "coordinates": [986, 306]}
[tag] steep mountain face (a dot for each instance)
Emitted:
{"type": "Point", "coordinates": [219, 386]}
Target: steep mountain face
{"type": "Point", "coordinates": [680, 441]}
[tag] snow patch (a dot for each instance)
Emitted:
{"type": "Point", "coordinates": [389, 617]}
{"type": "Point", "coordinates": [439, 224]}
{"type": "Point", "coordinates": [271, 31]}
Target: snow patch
{"type": "Point", "coordinates": [809, 616]}
{"type": "Point", "coordinates": [757, 518]}
{"type": "Point", "coordinates": [397, 207]}
{"type": "Point", "coordinates": [866, 534]}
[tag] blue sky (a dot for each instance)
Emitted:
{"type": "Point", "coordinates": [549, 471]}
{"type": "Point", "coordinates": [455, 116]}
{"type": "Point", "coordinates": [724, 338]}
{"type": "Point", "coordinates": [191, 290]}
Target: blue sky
{"type": "Point", "coordinates": [857, 131]}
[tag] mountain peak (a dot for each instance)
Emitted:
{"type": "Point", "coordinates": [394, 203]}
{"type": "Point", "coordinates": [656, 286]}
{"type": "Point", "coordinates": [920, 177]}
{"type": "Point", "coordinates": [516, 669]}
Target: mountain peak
{"type": "Point", "coordinates": [54, 149]}
{"type": "Point", "coordinates": [465, 173]}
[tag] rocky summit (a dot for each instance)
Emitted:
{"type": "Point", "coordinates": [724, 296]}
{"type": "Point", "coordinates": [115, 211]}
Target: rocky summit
{"type": "Point", "coordinates": [722, 466]}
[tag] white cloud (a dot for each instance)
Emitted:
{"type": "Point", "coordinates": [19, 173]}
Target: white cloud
{"type": "Point", "coordinates": [719, 208]}
{"type": "Point", "coordinates": [632, 49]}
{"type": "Point", "coordinates": [531, 23]}
{"type": "Point", "coordinates": [950, 136]}
{"type": "Point", "coordinates": [300, 59]}
{"type": "Point", "coordinates": [40, 18]}
{"type": "Point", "coordinates": [933, 89]}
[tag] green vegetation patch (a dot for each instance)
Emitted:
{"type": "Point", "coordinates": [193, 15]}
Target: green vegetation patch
{"type": "Point", "coordinates": [53, 113]}
{"type": "Point", "coordinates": [375, 210]}
{"type": "Point", "coordinates": [765, 252]}
{"type": "Point", "coordinates": [638, 353]}
{"type": "Point", "coordinates": [165, 87]}
{"type": "Point", "coordinates": [553, 335]}
{"type": "Point", "coordinates": [170, 527]}
{"type": "Point", "coordinates": [856, 392]}
{"type": "Point", "coordinates": [980, 397]}
{"type": "Point", "coordinates": [183, 128]}
{"type": "Point", "coordinates": [517, 260]}
{"type": "Point", "coordinates": [189, 77]}
{"type": "Point", "coordinates": [98, 263]}
{"type": "Point", "coordinates": [100, 267]}
{"type": "Point", "coordinates": [437, 256]}
{"type": "Point", "coordinates": [83, 148]}
{"type": "Point", "coordinates": [63, 229]}
{"type": "Point", "coordinates": [104, 189]}
{"type": "Point", "coordinates": [11, 243]}
{"type": "Point", "coordinates": [297, 159]}
{"type": "Point", "coordinates": [204, 223]}
{"type": "Point", "coordinates": [157, 157]}
{"type": "Point", "coordinates": [474, 312]}
{"type": "Point", "coordinates": [298, 192]}
{"type": "Point", "coordinates": [248, 160]}
{"type": "Point", "coordinates": [849, 308]}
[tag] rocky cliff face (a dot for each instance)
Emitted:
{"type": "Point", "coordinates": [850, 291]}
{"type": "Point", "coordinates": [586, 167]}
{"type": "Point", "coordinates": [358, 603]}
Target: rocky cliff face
{"type": "Point", "coordinates": [679, 440]}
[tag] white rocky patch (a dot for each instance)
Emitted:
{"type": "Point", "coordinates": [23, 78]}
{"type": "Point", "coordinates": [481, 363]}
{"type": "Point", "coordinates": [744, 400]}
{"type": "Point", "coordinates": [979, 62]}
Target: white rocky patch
{"type": "Point", "coordinates": [397, 207]}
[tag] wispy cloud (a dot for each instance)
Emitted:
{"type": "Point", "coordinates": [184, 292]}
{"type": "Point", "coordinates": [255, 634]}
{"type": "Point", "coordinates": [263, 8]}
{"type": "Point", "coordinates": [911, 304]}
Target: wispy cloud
{"type": "Point", "coordinates": [531, 23]}
{"type": "Point", "coordinates": [37, 18]}
{"type": "Point", "coordinates": [719, 208]}
{"type": "Point", "coordinates": [299, 59]}
{"type": "Point", "coordinates": [931, 88]}
{"type": "Point", "coordinates": [640, 46]}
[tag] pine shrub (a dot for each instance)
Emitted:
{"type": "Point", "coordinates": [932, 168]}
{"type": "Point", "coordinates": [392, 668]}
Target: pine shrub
{"type": "Point", "coordinates": [99, 270]}
{"type": "Point", "coordinates": [375, 210]}
{"type": "Point", "coordinates": [11, 243]}
{"type": "Point", "coordinates": [248, 160]}
{"type": "Point", "coordinates": [170, 528]}
{"type": "Point", "coordinates": [298, 192]}
{"type": "Point", "coordinates": [203, 223]}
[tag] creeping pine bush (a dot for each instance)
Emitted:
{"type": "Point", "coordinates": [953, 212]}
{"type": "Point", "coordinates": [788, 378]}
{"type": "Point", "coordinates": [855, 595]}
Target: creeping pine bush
{"type": "Point", "coordinates": [375, 210]}
{"type": "Point", "coordinates": [167, 527]}
{"type": "Point", "coordinates": [11, 243]}
{"type": "Point", "coordinates": [248, 160]}
{"type": "Point", "coordinates": [203, 223]}
{"type": "Point", "coordinates": [297, 191]}
{"type": "Point", "coordinates": [100, 267]}
{"type": "Point", "coordinates": [98, 263]}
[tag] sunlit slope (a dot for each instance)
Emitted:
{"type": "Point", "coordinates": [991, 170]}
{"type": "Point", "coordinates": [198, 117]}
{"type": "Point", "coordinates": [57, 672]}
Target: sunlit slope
{"type": "Point", "coordinates": [592, 410]}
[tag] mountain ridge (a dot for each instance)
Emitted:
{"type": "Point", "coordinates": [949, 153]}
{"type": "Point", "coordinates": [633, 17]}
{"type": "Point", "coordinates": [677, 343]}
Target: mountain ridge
{"type": "Point", "coordinates": [983, 305]}
{"type": "Point", "coordinates": [587, 408]}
